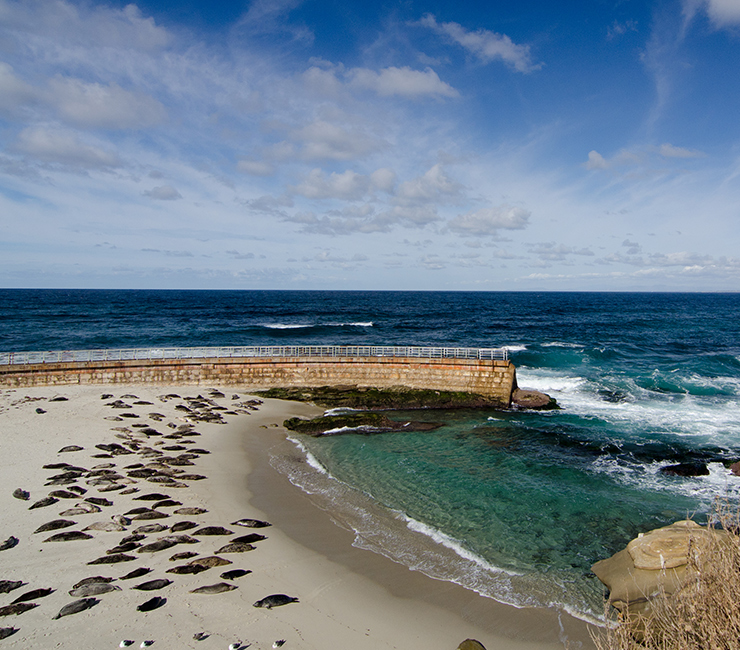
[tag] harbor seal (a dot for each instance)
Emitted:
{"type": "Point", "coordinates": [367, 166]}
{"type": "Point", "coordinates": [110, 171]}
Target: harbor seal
{"type": "Point", "coordinates": [151, 604]}
{"type": "Point", "coordinates": [275, 600]}
{"type": "Point", "coordinates": [76, 607]}
{"type": "Point", "coordinates": [152, 585]}
{"type": "Point", "coordinates": [218, 588]}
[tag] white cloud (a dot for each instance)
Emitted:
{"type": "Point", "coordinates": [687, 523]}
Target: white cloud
{"type": "Point", "coordinates": [402, 81]}
{"type": "Point", "coordinates": [63, 147]}
{"type": "Point", "coordinates": [108, 106]}
{"type": "Point", "coordinates": [596, 161]}
{"type": "Point", "coordinates": [723, 12]}
{"type": "Point", "coordinates": [14, 92]}
{"type": "Point", "coordinates": [85, 24]}
{"type": "Point", "coordinates": [434, 185]}
{"type": "Point", "coordinates": [669, 151]}
{"type": "Point", "coordinates": [255, 167]}
{"type": "Point", "coordinates": [348, 185]}
{"type": "Point", "coordinates": [163, 193]}
{"type": "Point", "coordinates": [322, 140]}
{"type": "Point", "coordinates": [485, 44]}
{"type": "Point", "coordinates": [489, 221]}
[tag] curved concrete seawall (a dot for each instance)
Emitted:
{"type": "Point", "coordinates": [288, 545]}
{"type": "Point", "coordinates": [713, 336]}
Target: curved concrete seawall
{"type": "Point", "coordinates": [490, 377]}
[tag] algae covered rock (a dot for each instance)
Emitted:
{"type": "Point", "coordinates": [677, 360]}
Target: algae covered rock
{"type": "Point", "coordinates": [354, 423]}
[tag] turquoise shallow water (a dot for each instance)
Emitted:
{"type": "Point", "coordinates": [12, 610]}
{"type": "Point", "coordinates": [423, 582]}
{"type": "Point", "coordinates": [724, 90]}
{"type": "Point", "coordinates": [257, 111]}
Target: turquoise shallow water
{"type": "Point", "coordinates": [516, 505]}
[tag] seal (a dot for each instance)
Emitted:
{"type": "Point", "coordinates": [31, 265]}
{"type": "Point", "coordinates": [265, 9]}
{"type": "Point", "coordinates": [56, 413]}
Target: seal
{"type": "Point", "coordinates": [275, 600]}
{"type": "Point", "coordinates": [152, 585]}
{"type": "Point", "coordinates": [218, 588]}
{"type": "Point", "coordinates": [152, 603]}
{"type": "Point", "coordinates": [234, 573]}
{"type": "Point", "coordinates": [76, 607]}
{"type": "Point", "coordinates": [32, 595]}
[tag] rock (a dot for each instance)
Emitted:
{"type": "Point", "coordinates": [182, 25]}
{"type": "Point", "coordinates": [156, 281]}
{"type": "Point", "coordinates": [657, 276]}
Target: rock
{"type": "Point", "coordinates": [654, 564]}
{"type": "Point", "coordinates": [532, 399]}
{"type": "Point", "coordinates": [686, 469]}
{"type": "Point", "coordinates": [471, 644]}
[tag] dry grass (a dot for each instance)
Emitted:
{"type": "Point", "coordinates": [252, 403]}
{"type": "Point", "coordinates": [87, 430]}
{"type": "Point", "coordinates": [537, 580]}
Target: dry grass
{"type": "Point", "coordinates": [703, 615]}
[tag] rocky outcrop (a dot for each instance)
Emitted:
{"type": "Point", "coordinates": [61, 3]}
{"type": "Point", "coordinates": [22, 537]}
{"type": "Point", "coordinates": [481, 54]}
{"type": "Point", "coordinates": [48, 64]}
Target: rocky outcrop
{"type": "Point", "coordinates": [654, 565]}
{"type": "Point", "coordinates": [532, 399]}
{"type": "Point", "coordinates": [686, 469]}
{"type": "Point", "coordinates": [354, 423]}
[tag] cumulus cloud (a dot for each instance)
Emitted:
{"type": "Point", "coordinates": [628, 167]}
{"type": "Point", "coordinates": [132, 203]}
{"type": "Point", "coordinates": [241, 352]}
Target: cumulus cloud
{"type": "Point", "coordinates": [63, 147]}
{"type": "Point", "coordinates": [433, 185]}
{"type": "Point", "coordinates": [255, 167]}
{"type": "Point", "coordinates": [489, 221]}
{"type": "Point", "coordinates": [103, 106]}
{"type": "Point", "coordinates": [486, 45]}
{"type": "Point", "coordinates": [321, 140]}
{"type": "Point", "coordinates": [86, 24]}
{"type": "Point", "coordinates": [14, 92]}
{"type": "Point", "coordinates": [552, 252]}
{"type": "Point", "coordinates": [596, 161]}
{"type": "Point", "coordinates": [163, 193]}
{"type": "Point", "coordinates": [404, 82]}
{"type": "Point", "coordinates": [348, 185]}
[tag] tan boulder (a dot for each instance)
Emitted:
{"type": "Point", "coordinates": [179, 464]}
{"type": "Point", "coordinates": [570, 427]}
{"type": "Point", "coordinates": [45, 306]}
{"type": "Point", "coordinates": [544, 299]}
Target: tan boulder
{"type": "Point", "coordinates": [654, 564]}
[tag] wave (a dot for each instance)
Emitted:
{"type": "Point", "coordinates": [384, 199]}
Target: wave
{"type": "Point", "coordinates": [514, 348]}
{"type": "Point", "coordinates": [560, 344]}
{"type": "Point", "coordinates": [297, 326]}
{"type": "Point", "coordinates": [423, 548]}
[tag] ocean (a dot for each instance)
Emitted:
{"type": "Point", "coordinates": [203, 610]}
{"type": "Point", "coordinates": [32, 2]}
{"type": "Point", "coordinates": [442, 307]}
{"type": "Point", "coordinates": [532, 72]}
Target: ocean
{"type": "Point", "coordinates": [515, 505]}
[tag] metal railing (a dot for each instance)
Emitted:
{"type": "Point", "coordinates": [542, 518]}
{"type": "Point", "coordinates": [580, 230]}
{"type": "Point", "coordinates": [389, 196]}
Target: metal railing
{"type": "Point", "coordinates": [294, 351]}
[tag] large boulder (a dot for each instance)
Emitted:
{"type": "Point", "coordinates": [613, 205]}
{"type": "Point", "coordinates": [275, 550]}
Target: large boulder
{"type": "Point", "coordinates": [532, 399]}
{"type": "Point", "coordinates": [653, 565]}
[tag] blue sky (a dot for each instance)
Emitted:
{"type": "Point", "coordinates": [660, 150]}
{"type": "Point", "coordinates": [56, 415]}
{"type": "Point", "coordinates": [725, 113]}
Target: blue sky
{"type": "Point", "coordinates": [353, 145]}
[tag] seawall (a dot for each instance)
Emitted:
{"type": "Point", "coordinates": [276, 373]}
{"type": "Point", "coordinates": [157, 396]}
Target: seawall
{"type": "Point", "coordinates": [490, 377]}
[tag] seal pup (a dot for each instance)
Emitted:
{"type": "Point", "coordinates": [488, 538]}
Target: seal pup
{"type": "Point", "coordinates": [9, 543]}
{"type": "Point", "coordinates": [20, 493]}
{"type": "Point", "coordinates": [275, 600]}
{"type": "Point", "coordinates": [126, 643]}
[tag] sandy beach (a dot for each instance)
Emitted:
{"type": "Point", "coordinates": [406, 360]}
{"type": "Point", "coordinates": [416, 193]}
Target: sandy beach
{"type": "Point", "coordinates": [346, 597]}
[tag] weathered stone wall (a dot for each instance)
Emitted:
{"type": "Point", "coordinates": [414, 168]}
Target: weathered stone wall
{"type": "Point", "coordinates": [485, 377]}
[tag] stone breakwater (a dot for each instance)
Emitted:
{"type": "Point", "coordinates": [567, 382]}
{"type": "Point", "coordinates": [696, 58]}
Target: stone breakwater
{"type": "Point", "coordinates": [495, 379]}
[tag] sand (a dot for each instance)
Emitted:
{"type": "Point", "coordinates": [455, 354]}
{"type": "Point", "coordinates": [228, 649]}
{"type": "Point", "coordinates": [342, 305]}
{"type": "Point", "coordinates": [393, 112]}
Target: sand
{"type": "Point", "coordinates": [347, 597]}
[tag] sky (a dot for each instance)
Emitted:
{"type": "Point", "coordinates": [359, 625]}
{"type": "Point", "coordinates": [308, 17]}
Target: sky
{"type": "Point", "coordinates": [589, 145]}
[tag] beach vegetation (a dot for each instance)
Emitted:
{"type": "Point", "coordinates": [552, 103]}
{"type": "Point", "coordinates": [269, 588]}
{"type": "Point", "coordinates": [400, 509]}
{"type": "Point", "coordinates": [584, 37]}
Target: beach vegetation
{"type": "Point", "coordinates": [702, 614]}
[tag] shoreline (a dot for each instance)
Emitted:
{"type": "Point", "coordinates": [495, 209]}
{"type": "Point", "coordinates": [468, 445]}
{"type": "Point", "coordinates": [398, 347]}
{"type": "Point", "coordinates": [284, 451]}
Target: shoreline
{"type": "Point", "coordinates": [348, 597]}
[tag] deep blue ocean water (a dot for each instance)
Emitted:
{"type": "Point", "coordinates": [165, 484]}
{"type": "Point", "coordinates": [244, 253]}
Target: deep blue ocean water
{"type": "Point", "coordinates": [516, 505]}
